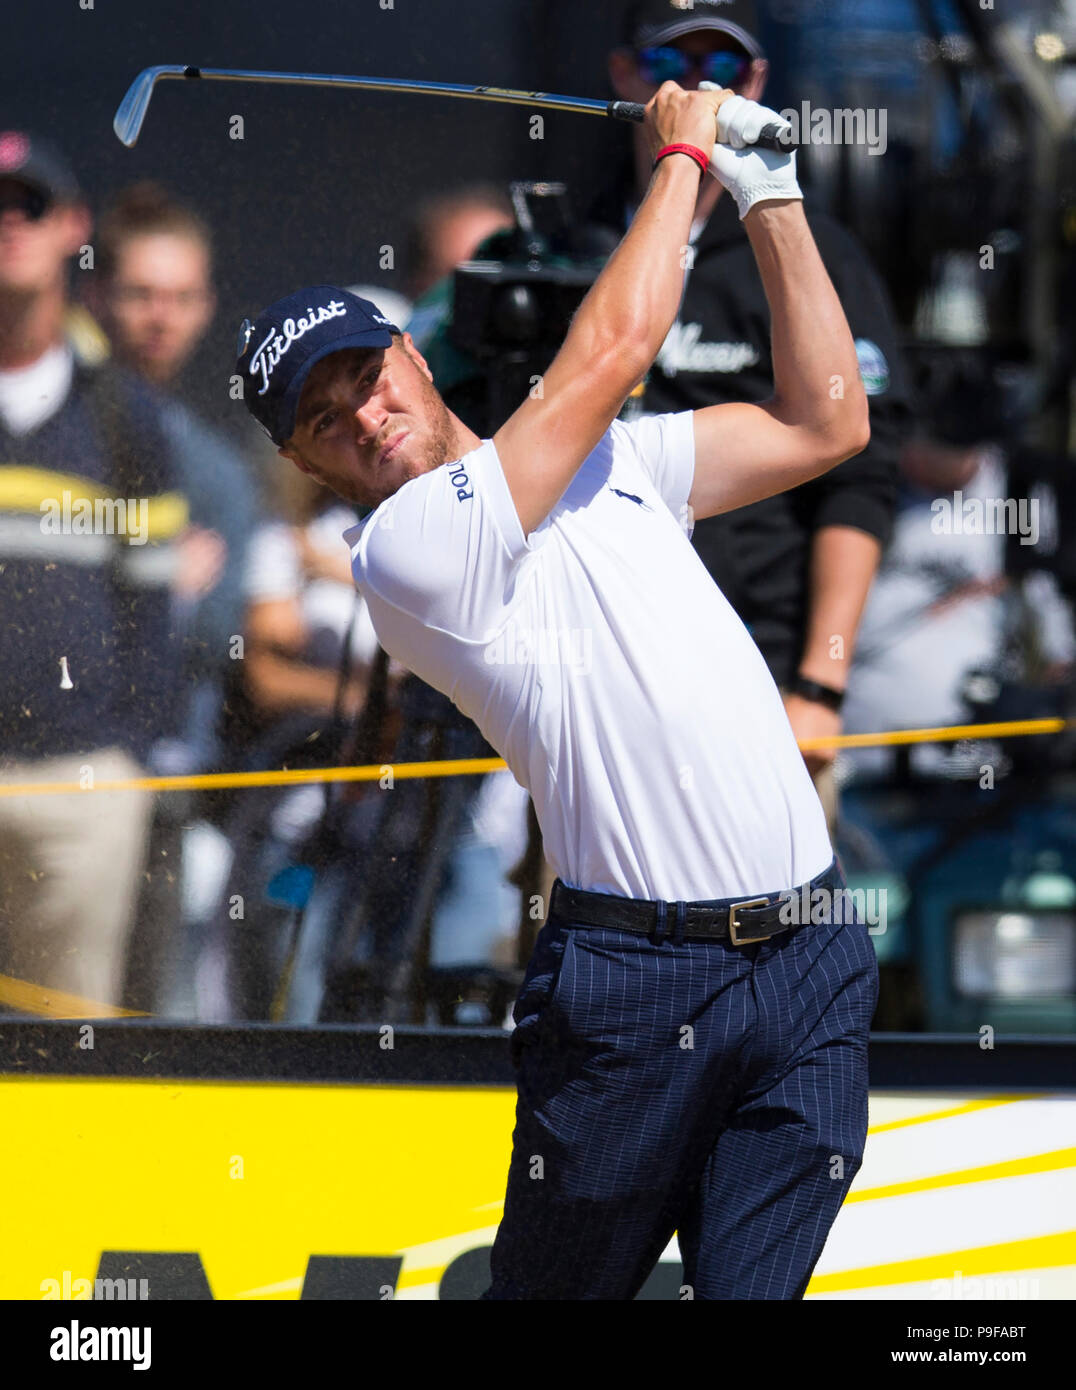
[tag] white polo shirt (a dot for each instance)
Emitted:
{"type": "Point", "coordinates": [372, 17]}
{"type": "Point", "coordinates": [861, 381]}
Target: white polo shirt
{"type": "Point", "coordinates": [605, 666]}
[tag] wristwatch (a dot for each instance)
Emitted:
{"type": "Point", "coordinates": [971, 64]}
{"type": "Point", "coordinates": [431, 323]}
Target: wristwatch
{"type": "Point", "coordinates": [814, 690]}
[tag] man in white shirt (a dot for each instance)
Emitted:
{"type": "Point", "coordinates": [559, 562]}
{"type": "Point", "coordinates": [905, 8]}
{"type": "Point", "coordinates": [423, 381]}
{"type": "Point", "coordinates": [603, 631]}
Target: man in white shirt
{"type": "Point", "coordinates": [691, 1056]}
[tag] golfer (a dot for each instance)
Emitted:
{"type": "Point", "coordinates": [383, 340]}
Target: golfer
{"type": "Point", "coordinates": [691, 1057]}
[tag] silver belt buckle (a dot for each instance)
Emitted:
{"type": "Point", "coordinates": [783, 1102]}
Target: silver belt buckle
{"type": "Point", "coordinates": [734, 925]}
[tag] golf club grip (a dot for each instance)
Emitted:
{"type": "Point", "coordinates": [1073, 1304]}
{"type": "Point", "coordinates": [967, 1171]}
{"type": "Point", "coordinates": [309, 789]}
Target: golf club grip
{"type": "Point", "coordinates": [770, 136]}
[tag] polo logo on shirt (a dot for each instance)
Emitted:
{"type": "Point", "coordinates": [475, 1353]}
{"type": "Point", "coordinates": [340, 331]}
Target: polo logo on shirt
{"type": "Point", "coordinates": [460, 482]}
{"type": "Point", "coordinates": [632, 498]}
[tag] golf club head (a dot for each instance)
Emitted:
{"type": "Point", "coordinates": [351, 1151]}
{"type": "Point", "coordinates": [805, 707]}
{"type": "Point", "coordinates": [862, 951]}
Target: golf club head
{"type": "Point", "coordinates": [131, 112]}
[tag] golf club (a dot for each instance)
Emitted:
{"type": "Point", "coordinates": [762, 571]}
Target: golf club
{"type": "Point", "coordinates": [132, 109]}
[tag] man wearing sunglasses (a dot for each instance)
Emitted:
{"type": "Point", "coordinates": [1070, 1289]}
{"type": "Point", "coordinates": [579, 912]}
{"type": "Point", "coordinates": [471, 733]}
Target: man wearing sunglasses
{"type": "Point", "coordinates": [796, 567]}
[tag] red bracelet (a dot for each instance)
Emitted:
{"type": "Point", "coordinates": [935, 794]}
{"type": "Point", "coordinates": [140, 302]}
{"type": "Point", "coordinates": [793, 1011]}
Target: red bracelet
{"type": "Point", "coordinates": [701, 158]}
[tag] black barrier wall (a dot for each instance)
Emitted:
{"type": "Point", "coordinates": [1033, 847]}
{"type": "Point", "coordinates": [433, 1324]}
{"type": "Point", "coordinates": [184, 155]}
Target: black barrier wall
{"type": "Point", "coordinates": [145, 1049]}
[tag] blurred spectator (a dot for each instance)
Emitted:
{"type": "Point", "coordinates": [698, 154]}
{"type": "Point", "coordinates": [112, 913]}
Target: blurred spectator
{"type": "Point", "coordinates": [943, 611]}
{"type": "Point", "coordinates": [153, 285]}
{"type": "Point", "coordinates": [444, 231]}
{"type": "Point", "coordinates": [447, 229]}
{"type": "Point", "coordinates": [307, 663]}
{"type": "Point", "coordinates": [91, 517]}
{"type": "Point", "coordinates": [153, 293]}
{"type": "Point", "coordinates": [476, 921]}
{"type": "Point", "coordinates": [301, 607]}
{"type": "Point", "coordinates": [796, 567]}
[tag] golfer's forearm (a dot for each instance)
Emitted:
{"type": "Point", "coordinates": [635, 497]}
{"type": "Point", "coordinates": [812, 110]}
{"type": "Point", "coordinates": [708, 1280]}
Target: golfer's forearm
{"type": "Point", "coordinates": [817, 386]}
{"type": "Point", "coordinates": [633, 303]}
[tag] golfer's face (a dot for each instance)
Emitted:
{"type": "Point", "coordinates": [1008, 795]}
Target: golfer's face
{"type": "Point", "coordinates": [369, 420]}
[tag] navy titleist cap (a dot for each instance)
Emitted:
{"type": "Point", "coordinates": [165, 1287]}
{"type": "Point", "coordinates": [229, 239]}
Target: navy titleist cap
{"type": "Point", "coordinates": [276, 351]}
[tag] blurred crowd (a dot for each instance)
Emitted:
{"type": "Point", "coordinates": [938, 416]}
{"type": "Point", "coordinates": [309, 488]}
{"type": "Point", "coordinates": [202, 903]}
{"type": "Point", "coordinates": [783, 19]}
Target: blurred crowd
{"type": "Point", "coordinates": [205, 619]}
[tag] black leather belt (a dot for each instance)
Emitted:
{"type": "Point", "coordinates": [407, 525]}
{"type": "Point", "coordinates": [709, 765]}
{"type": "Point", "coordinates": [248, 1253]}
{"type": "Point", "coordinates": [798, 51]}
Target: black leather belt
{"type": "Point", "coordinates": [738, 920]}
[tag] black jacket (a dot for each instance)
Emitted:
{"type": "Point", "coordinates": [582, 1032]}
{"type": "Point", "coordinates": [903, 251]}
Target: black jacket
{"type": "Point", "coordinates": [719, 350]}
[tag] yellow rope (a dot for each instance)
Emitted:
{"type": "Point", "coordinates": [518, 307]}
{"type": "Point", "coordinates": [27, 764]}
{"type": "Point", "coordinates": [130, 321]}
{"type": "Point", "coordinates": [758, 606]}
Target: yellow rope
{"type": "Point", "coordinates": [1014, 728]}
{"type": "Point", "coordinates": [209, 781]}
{"type": "Point", "coordinates": [461, 767]}
{"type": "Point", "coordinates": [51, 1003]}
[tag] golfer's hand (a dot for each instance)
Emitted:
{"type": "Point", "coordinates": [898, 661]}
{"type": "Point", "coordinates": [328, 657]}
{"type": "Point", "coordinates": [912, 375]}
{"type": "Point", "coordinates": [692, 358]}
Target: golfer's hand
{"type": "Point", "coordinates": [677, 117]}
{"type": "Point", "coordinates": [750, 174]}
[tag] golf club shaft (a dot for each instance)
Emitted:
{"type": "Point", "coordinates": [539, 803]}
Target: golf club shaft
{"type": "Point", "coordinates": [132, 109]}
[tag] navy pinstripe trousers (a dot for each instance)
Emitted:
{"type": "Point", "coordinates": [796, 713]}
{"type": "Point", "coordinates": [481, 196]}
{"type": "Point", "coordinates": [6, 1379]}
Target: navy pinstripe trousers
{"type": "Point", "coordinates": [696, 1087]}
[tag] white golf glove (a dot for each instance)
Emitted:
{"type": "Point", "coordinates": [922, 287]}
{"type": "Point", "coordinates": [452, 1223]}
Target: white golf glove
{"type": "Point", "coordinates": [750, 174]}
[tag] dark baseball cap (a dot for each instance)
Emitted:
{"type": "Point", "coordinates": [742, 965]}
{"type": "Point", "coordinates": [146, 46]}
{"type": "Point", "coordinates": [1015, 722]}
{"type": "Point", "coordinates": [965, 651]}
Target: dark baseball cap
{"type": "Point", "coordinates": [38, 164]}
{"type": "Point", "coordinates": [280, 346]}
{"type": "Point", "coordinates": [650, 23]}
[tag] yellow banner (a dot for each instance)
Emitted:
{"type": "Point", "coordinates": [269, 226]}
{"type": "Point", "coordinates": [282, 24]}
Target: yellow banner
{"type": "Point", "coordinates": [248, 1190]}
